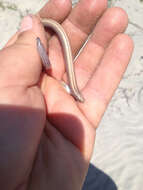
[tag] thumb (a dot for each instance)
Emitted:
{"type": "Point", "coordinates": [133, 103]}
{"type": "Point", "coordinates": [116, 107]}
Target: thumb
{"type": "Point", "coordinates": [20, 62]}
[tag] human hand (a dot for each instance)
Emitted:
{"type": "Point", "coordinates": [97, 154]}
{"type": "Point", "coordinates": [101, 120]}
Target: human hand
{"type": "Point", "coordinates": [57, 156]}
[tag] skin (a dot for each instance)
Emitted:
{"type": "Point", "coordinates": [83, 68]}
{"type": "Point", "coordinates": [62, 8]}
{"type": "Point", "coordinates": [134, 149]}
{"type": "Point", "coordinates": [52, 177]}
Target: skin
{"type": "Point", "coordinates": [36, 154]}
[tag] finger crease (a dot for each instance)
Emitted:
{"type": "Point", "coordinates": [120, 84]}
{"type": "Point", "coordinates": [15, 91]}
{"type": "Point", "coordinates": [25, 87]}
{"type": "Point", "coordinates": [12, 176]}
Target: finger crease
{"type": "Point", "coordinates": [76, 26]}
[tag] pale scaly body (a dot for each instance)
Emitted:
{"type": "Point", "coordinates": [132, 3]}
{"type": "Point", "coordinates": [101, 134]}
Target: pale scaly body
{"type": "Point", "coordinates": [58, 29]}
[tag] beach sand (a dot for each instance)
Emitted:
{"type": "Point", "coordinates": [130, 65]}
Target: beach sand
{"type": "Point", "coordinates": [117, 161]}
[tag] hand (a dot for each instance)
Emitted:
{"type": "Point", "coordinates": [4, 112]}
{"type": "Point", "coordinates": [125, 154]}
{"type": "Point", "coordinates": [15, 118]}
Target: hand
{"type": "Point", "coordinates": [56, 156]}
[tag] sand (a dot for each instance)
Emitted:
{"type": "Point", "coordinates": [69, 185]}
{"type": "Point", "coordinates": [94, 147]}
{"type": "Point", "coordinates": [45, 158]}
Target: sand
{"type": "Point", "coordinates": [117, 161]}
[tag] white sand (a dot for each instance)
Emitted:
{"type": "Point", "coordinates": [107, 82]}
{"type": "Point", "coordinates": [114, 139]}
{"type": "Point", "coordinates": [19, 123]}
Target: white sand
{"type": "Point", "coordinates": [119, 143]}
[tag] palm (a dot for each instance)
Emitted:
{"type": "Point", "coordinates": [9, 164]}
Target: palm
{"type": "Point", "coordinates": [62, 152]}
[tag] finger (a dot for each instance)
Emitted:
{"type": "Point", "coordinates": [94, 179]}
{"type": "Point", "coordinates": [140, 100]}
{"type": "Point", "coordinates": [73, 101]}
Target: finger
{"type": "Point", "coordinates": [78, 26]}
{"type": "Point", "coordinates": [113, 22]}
{"type": "Point", "coordinates": [106, 78]}
{"type": "Point", "coordinates": [56, 9]}
{"type": "Point", "coordinates": [82, 20]}
{"type": "Point", "coordinates": [20, 63]}
{"type": "Point", "coordinates": [61, 109]}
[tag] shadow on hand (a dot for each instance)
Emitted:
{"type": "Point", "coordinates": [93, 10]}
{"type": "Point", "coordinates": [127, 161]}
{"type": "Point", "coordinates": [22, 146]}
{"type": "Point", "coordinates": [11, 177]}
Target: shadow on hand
{"type": "Point", "coordinates": [20, 133]}
{"type": "Point", "coordinates": [98, 180]}
{"type": "Point", "coordinates": [71, 128]}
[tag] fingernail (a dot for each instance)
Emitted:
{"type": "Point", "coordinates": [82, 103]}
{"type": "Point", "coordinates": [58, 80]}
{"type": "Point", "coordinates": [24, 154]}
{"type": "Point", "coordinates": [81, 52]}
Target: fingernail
{"type": "Point", "coordinates": [26, 24]}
